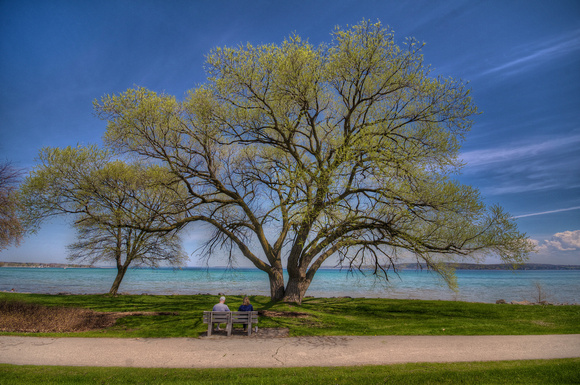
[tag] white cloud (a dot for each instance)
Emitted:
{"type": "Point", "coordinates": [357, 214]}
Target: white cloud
{"type": "Point", "coordinates": [564, 241]}
{"type": "Point", "coordinates": [561, 249]}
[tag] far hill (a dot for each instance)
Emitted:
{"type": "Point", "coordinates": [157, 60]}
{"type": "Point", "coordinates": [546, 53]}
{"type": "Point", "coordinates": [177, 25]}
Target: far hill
{"type": "Point", "coordinates": [498, 266]}
{"type": "Point", "coordinates": [42, 265]}
{"type": "Point", "coordinates": [401, 266]}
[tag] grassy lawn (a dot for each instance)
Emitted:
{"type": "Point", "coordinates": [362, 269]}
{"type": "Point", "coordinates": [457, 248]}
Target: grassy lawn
{"type": "Point", "coordinates": [562, 371]}
{"type": "Point", "coordinates": [181, 317]}
{"type": "Point", "coordinates": [316, 316]}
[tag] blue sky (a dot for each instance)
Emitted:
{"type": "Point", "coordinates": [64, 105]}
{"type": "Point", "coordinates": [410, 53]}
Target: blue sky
{"type": "Point", "coordinates": [522, 59]}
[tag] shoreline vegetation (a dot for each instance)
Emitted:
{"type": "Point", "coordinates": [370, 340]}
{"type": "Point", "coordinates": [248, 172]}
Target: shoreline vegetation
{"type": "Point", "coordinates": [402, 266]}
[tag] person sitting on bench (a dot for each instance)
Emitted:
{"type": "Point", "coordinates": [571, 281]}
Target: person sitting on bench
{"type": "Point", "coordinates": [246, 306]}
{"type": "Point", "coordinates": [221, 306]}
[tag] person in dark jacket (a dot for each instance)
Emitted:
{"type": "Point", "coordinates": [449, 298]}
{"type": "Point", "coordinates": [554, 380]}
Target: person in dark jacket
{"type": "Point", "coordinates": [246, 305]}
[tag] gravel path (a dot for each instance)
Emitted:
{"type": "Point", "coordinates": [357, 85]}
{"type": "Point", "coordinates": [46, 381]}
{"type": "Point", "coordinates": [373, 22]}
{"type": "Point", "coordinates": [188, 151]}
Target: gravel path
{"type": "Point", "coordinates": [240, 351]}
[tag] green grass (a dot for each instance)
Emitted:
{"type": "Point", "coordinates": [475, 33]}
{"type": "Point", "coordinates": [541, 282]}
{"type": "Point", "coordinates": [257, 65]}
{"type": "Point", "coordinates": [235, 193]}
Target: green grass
{"type": "Point", "coordinates": [324, 316]}
{"type": "Point", "coordinates": [561, 371]}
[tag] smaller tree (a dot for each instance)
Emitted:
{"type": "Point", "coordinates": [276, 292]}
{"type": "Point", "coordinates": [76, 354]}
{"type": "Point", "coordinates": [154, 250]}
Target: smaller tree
{"type": "Point", "coordinates": [11, 229]}
{"type": "Point", "coordinates": [125, 246]}
{"type": "Point", "coordinates": [110, 201]}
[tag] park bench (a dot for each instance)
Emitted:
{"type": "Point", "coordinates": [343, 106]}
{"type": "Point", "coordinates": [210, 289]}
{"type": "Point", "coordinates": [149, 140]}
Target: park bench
{"type": "Point", "coordinates": [230, 318]}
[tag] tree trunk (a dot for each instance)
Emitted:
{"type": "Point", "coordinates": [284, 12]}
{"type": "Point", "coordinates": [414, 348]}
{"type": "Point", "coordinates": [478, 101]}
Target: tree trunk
{"type": "Point", "coordinates": [276, 284]}
{"type": "Point", "coordinates": [121, 270]}
{"type": "Point", "coordinates": [296, 288]}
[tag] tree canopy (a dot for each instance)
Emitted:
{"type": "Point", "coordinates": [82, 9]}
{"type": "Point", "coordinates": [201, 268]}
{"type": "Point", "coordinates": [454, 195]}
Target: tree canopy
{"type": "Point", "coordinates": [11, 227]}
{"type": "Point", "coordinates": [111, 201]}
{"type": "Point", "coordinates": [294, 154]}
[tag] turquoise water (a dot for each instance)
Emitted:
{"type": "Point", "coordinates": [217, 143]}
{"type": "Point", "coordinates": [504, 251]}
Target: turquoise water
{"type": "Point", "coordinates": [474, 285]}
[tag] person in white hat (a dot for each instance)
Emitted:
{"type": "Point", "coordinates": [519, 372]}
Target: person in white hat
{"type": "Point", "coordinates": [221, 306]}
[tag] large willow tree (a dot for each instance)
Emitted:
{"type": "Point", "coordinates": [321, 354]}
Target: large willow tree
{"type": "Point", "coordinates": [294, 154]}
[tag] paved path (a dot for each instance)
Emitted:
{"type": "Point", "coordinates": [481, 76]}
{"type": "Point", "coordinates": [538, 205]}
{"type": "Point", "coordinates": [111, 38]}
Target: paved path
{"type": "Point", "coordinates": [222, 352]}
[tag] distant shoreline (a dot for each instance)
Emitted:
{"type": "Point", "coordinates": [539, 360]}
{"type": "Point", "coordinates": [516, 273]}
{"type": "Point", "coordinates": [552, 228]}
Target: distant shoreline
{"type": "Point", "coordinates": [403, 266]}
{"type": "Point", "coordinates": [497, 266]}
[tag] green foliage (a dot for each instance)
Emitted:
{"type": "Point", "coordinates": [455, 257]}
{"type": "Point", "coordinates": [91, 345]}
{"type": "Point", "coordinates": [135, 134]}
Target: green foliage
{"type": "Point", "coordinates": [346, 150]}
{"type": "Point", "coordinates": [11, 227]}
{"type": "Point", "coordinates": [113, 204]}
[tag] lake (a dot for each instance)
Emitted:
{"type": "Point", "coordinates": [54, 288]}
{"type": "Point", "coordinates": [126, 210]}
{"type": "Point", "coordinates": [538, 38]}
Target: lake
{"type": "Point", "coordinates": [560, 286]}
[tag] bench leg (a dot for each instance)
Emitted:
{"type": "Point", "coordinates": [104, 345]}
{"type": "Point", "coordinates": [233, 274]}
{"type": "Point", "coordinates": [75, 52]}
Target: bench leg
{"type": "Point", "coordinates": [249, 326]}
{"type": "Point", "coordinates": [210, 325]}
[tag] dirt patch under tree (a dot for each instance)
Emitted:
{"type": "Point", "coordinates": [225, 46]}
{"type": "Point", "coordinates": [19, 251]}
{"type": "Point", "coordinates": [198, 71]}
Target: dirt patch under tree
{"type": "Point", "coordinates": [33, 318]}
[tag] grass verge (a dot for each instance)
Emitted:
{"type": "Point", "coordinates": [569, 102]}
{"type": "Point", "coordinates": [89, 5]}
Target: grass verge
{"type": "Point", "coordinates": [181, 316]}
{"type": "Point", "coordinates": [560, 371]}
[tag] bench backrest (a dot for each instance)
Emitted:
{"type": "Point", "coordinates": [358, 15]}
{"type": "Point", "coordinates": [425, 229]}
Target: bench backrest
{"type": "Point", "coordinates": [236, 316]}
{"type": "Point", "coordinates": [216, 316]}
{"type": "Point", "coordinates": [245, 316]}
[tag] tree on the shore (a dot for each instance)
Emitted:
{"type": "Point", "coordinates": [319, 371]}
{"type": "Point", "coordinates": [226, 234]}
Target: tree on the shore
{"type": "Point", "coordinates": [11, 228]}
{"type": "Point", "coordinates": [294, 154]}
{"type": "Point", "coordinates": [109, 200]}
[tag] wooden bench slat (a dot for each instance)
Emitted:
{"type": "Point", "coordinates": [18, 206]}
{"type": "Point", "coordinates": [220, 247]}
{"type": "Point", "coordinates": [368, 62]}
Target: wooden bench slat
{"type": "Point", "coordinates": [230, 317]}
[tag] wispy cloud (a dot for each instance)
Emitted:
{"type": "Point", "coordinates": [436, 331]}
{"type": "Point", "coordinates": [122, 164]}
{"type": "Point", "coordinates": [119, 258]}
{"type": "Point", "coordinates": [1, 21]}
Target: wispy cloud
{"type": "Point", "coordinates": [525, 166]}
{"type": "Point", "coordinates": [509, 187]}
{"type": "Point", "coordinates": [539, 52]}
{"type": "Point", "coordinates": [516, 151]}
{"type": "Point", "coordinates": [548, 212]}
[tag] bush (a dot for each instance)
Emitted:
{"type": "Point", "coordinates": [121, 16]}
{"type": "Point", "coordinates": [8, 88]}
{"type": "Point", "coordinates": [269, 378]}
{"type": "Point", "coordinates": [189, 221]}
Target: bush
{"type": "Point", "coordinates": [17, 316]}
